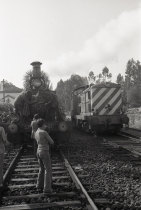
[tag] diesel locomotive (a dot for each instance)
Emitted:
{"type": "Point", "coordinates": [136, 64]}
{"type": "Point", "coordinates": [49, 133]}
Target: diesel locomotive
{"type": "Point", "coordinates": [98, 108]}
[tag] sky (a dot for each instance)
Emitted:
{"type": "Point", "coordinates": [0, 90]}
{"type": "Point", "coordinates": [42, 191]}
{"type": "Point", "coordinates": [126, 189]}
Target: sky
{"type": "Point", "coordinates": [68, 37]}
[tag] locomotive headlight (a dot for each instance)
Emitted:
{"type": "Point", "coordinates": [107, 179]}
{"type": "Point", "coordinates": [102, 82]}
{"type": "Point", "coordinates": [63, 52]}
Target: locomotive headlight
{"type": "Point", "coordinates": [63, 126]}
{"type": "Point", "coordinates": [36, 83]}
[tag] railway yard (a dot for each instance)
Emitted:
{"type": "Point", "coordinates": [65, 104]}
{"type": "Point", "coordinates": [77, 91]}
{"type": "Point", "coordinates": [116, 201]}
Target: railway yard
{"type": "Point", "coordinates": [70, 105]}
{"type": "Point", "coordinates": [95, 173]}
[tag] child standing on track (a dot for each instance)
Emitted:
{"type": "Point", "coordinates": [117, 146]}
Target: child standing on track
{"type": "Point", "coordinates": [43, 139]}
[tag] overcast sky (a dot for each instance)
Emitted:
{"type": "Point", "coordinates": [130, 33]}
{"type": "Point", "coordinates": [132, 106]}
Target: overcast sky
{"type": "Point", "coordinates": [68, 36]}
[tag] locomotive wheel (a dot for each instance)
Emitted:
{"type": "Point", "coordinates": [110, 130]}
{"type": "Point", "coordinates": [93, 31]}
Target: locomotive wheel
{"type": "Point", "coordinates": [86, 127]}
{"type": "Point", "coordinates": [63, 126]}
{"type": "Point", "coordinates": [13, 128]}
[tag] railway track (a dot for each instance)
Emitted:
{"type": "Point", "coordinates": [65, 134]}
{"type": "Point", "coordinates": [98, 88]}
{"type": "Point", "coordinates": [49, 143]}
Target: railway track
{"type": "Point", "coordinates": [113, 170]}
{"type": "Point", "coordinates": [68, 191]}
{"type": "Point", "coordinates": [126, 144]}
{"type": "Point", "coordinates": [131, 132]}
{"type": "Point", "coordinates": [9, 161]}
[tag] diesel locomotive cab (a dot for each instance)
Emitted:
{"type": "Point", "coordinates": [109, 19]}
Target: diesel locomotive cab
{"type": "Point", "coordinates": [37, 98]}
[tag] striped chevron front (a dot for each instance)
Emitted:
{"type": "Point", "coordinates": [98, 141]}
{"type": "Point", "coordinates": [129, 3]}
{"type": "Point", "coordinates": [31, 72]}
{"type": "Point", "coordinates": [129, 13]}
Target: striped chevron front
{"type": "Point", "coordinates": [105, 100]}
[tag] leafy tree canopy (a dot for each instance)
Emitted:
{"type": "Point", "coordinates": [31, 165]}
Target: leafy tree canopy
{"type": "Point", "coordinates": [133, 82]}
{"type": "Point", "coordinates": [104, 76]}
{"type": "Point", "coordinates": [120, 79]}
{"type": "Point", "coordinates": [133, 73]}
{"type": "Point", "coordinates": [91, 77]}
{"type": "Point", "coordinates": [64, 89]}
{"type": "Point", "coordinates": [134, 97]}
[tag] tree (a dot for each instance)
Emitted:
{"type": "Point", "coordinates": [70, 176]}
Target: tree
{"type": "Point", "coordinates": [105, 71]}
{"type": "Point", "coordinates": [110, 76]}
{"type": "Point", "coordinates": [64, 89]}
{"type": "Point", "coordinates": [133, 73]}
{"type": "Point", "coordinates": [77, 81]}
{"type": "Point", "coordinates": [103, 77]}
{"type": "Point", "coordinates": [120, 79]}
{"type": "Point", "coordinates": [134, 96]}
{"type": "Point", "coordinates": [99, 78]}
{"type": "Point", "coordinates": [91, 77]}
{"type": "Point", "coordinates": [60, 91]}
{"type": "Point", "coordinates": [133, 82]}
{"type": "Point", "coordinates": [106, 74]}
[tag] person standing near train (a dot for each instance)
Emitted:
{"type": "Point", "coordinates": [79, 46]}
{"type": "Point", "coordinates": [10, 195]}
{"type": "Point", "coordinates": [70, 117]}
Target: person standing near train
{"type": "Point", "coordinates": [3, 142]}
{"type": "Point", "coordinates": [34, 127]}
{"type": "Point", "coordinates": [44, 141]}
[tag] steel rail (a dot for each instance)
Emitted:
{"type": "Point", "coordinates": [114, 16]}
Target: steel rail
{"type": "Point", "coordinates": [74, 202]}
{"type": "Point", "coordinates": [135, 129]}
{"type": "Point", "coordinates": [131, 135]}
{"type": "Point", "coordinates": [134, 152]}
{"type": "Point", "coordinates": [129, 148]}
{"type": "Point", "coordinates": [90, 205]}
{"type": "Point", "coordinates": [11, 166]}
{"type": "Point", "coordinates": [78, 184]}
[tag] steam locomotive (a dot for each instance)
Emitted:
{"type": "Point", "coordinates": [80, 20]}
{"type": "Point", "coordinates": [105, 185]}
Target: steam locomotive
{"type": "Point", "coordinates": [98, 108]}
{"type": "Point", "coordinates": [38, 98]}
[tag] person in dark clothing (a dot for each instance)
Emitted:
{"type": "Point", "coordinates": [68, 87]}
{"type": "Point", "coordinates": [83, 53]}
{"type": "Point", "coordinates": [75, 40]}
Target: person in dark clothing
{"type": "Point", "coordinates": [34, 127]}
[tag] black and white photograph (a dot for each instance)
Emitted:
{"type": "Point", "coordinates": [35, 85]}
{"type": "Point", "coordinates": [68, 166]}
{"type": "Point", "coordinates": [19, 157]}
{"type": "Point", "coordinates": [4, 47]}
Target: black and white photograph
{"type": "Point", "coordinates": [70, 105]}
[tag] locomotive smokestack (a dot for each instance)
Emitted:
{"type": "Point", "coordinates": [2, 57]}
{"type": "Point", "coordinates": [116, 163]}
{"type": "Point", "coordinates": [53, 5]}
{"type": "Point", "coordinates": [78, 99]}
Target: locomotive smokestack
{"type": "Point", "coordinates": [36, 68]}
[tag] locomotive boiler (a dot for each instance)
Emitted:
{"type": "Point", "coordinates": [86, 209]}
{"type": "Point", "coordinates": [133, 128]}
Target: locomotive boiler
{"type": "Point", "coordinates": [98, 108]}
